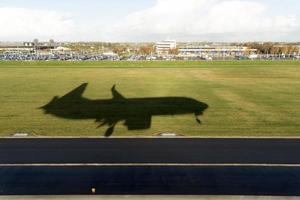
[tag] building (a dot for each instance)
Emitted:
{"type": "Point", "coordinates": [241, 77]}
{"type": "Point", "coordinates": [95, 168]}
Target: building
{"type": "Point", "coordinates": [41, 45]}
{"type": "Point", "coordinates": [14, 47]}
{"type": "Point", "coordinates": [61, 50]}
{"type": "Point", "coordinates": [27, 47]}
{"type": "Point", "coordinates": [165, 46]}
{"type": "Point", "coordinates": [214, 51]}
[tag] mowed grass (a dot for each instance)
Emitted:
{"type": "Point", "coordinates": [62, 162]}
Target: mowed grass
{"type": "Point", "coordinates": [245, 98]}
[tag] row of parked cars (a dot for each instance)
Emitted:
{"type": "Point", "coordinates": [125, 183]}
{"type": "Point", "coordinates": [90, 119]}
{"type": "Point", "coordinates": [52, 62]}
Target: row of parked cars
{"type": "Point", "coordinates": [115, 57]}
{"type": "Point", "coordinates": [48, 57]}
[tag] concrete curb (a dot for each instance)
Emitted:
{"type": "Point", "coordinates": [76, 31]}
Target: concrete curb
{"type": "Point", "coordinates": [145, 137]}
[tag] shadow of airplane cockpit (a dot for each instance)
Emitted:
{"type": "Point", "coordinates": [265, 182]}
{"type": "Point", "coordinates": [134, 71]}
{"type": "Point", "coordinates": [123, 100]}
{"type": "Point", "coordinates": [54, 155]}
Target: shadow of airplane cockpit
{"type": "Point", "coordinates": [136, 112]}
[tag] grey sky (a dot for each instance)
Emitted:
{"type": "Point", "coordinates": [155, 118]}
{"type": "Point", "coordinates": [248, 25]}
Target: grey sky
{"type": "Point", "coordinates": [150, 20]}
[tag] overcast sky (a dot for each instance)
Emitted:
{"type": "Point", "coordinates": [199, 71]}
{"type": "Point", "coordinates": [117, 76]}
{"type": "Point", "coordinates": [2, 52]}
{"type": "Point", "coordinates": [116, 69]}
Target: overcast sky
{"type": "Point", "coordinates": [150, 20]}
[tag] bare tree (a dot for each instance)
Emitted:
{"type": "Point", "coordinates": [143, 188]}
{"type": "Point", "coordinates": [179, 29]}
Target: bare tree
{"type": "Point", "coordinates": [146, 50]}
{"type": "Point", "coordinates": [174, 51]}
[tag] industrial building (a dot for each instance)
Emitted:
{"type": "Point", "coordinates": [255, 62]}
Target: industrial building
{"type": "Point", "coordinates": [215, 51]}
{"type": "Point", "coordinates": [27, 47]}
{"type": "Point", "coordinates": [202, 50]}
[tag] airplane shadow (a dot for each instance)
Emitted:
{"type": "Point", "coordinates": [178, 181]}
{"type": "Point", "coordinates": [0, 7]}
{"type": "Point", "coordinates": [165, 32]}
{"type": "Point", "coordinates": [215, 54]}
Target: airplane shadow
{"type": "Point", "coordinates": [136, 112]}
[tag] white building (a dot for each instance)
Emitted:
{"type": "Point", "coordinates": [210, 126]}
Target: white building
{"type": "Point", "coordinates": [109, 54]}
{"type": "Point", "coordinates": [165, 46]}
{"type": "Point", "coordinates": [15, 47]}
{"type": "Point", "coordinates": [61, 50]}
{"type": "Point", "coordinates": [215, 51]}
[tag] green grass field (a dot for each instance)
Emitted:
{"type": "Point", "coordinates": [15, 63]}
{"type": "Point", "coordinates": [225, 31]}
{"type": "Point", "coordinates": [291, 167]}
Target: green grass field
{"type": "Point", "coordinates": [245, 98]}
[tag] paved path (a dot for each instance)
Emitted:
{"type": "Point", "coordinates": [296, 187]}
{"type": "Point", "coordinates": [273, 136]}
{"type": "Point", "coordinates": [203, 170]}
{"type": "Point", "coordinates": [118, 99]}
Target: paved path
{"type": "Point", "coordinates": [268, 167]}
{"type": "Point", "coordinates": [274, 181]}
{"type": "Point", "coordinates": [196, 151]}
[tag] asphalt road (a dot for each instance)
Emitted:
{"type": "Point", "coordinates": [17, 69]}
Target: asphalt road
{"type": "Point", "coordinates": [203, 151]}
{"type": "Point", "coordinates": [155, 178]}
{"type": "Point", "coordinates": [150, 180]}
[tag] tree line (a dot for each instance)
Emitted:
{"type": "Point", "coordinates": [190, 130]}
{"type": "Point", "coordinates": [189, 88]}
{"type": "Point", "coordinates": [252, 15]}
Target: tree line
{"type": "Point", "coordinates": [274, 48]}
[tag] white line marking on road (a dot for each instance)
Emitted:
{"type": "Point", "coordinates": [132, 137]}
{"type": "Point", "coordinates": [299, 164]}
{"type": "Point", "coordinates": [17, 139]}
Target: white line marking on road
{"type": "Point", "coordinates": [144, 165]}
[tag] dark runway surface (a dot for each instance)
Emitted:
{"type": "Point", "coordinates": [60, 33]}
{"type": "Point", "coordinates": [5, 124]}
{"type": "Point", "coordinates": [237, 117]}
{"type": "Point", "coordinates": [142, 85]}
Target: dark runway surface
{"type": "Point", "coordinates": [150, 180]}
{"type": "Point", "coordinates": [17, 179]}
{"type": "Point", "coordinates": [204, 151]}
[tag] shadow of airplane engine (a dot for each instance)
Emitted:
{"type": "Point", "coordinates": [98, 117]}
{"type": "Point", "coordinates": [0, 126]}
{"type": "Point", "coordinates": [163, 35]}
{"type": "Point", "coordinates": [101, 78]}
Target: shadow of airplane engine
{"type": "Point", "coordinates": [136, 112]}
